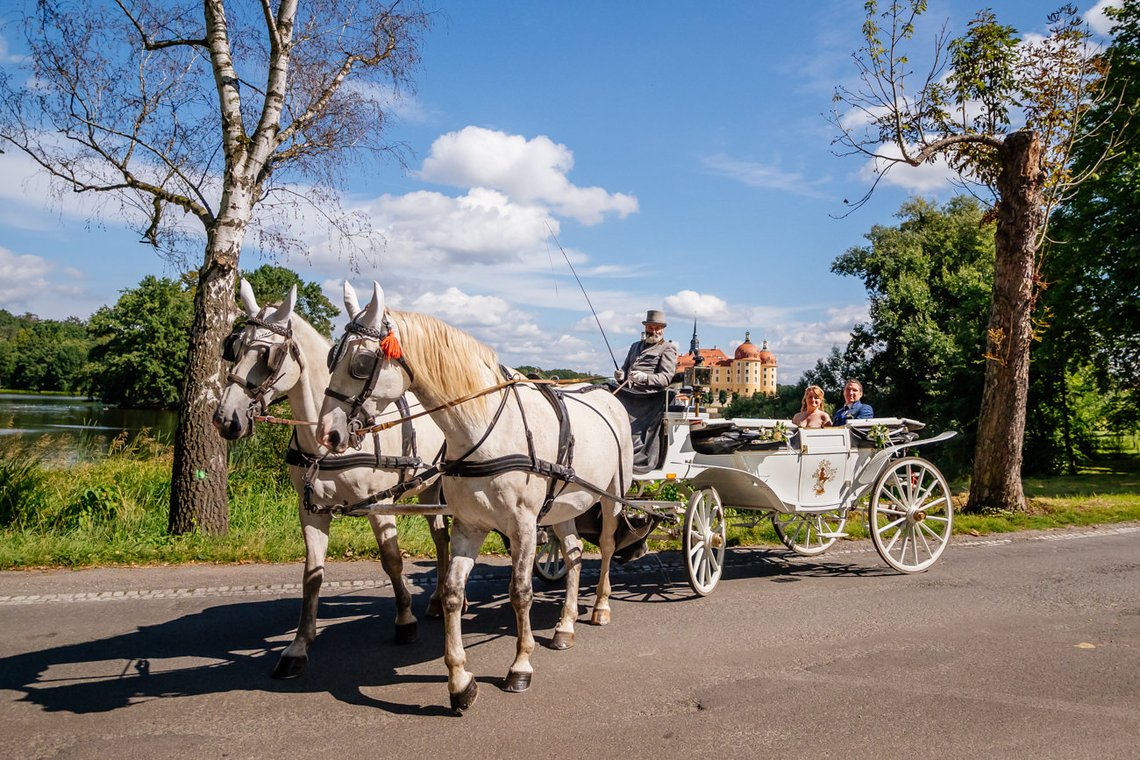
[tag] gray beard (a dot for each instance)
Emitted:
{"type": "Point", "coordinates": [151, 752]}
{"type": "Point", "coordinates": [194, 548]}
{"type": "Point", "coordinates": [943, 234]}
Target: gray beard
{"type": "Point", "coordinates": [652, 340]}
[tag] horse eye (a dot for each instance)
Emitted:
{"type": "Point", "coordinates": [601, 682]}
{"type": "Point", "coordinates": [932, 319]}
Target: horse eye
{"type": "Point", "coordinates": [362, 364]}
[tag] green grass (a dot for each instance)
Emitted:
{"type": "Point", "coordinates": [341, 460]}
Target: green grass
{"type": "Point", "coordinates": [110, 508]}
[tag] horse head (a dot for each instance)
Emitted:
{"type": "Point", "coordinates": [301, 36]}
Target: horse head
{"type": "Point", "coordinates": [368, 373]}
{"type": "Point", "coordinates": [265, 364]}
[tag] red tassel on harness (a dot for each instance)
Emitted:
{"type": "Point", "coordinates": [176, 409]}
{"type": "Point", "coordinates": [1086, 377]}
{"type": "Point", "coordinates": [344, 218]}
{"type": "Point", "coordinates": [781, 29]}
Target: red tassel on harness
{"type": "Point", "coordinates": [390, 344]}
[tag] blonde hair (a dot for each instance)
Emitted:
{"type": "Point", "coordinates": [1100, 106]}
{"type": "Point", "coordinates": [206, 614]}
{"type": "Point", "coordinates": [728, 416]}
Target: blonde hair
{"type": "Point", "coordinates": [811, 390]}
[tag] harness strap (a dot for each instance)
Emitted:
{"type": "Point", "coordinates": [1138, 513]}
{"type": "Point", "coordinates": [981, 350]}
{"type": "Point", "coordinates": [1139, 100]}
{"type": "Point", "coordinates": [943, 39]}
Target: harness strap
{"type": "Point", "coordinates": [350, 461]}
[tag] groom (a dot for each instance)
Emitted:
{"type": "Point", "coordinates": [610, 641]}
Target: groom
{"type": "Point", "coordinates": [854, 408]}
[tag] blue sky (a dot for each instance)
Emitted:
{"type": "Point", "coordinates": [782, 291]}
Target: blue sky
{"type": "Point", "coordinates": [679, 152]}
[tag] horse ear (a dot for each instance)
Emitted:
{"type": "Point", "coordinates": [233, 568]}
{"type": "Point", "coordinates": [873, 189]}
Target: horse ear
{"type": "Point", "coordinates": [248, 299]}
{"type": "Point", "coordinates": [374, 311]}
{"type": "Point", "coordinates": [285, 310]}
{"type": "Point", "coordinates": [351, 304]}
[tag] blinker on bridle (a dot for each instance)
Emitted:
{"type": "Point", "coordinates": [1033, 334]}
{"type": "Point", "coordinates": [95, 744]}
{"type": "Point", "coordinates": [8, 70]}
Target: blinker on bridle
{"type": "Point", "coordinates": [272, 356]}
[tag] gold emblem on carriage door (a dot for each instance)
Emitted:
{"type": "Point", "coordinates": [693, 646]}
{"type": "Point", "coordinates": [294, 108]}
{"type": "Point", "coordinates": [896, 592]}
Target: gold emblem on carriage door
{"type": "Point", "coordinates": [824, 473]}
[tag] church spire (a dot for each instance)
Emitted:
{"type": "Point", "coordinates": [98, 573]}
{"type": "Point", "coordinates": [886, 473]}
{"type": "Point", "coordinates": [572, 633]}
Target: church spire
{"type": "Point", "coordinates": [694, 344]}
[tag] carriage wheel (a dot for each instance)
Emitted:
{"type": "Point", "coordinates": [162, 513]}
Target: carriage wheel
{"type": "Point", "coordinates": [549, 564]}
{"type": "Point", "coordinates": [809, 534]}
{"type": "Point", "coordinates": [910, 515]}
{"type": "Point", "coordinates": [704, 540]}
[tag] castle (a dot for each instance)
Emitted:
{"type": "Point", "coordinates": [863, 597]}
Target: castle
{"type": "Point", "coordinates": [751, 370]}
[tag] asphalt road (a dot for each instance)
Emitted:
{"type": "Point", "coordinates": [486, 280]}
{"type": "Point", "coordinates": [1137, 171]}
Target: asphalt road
{"type": "Point", "coordinates": [1019, 647]}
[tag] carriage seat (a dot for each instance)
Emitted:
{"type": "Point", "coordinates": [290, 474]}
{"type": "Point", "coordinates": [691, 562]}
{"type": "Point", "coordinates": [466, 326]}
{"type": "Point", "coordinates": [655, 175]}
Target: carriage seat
{"type": "Point", "coordinates": [746, 434]}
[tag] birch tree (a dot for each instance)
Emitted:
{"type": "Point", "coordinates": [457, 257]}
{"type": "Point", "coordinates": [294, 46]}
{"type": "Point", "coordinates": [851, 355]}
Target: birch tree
{"type": "Point", "coordinates": [1006, 115]}
{"type": "Point", "coordinates": [198, 120]}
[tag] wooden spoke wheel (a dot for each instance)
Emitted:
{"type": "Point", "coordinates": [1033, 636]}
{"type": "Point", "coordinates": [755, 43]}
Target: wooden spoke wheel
{"type": "Point", "coordinates": [704, 540]}
{"type": "Point", "coordinates": [910, 514]}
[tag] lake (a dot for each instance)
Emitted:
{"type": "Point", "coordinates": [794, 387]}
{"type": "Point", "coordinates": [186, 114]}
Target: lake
{"type": "Point", "coordinates": [32, 416]}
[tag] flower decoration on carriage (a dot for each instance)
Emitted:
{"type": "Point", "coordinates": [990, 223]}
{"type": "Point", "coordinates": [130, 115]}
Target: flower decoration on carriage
{"type": "Point", "coordinates": [774, 434]}
{"type": "Point", "coordinates": [879, 435]}
{"type": "Point", "coordinates": [823, 475]}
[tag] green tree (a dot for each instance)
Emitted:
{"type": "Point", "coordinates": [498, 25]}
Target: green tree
{"type": "Point", "coordinates": [140, 355]}
{"type": "Point", "coordinates": [271, 284]}
{"type": "Point", "coordinates": [1090, 324]}
{"type": "Point", "coordinates": [929, 281]}
{"type": "Point", "coordinates": [783, 405]}
{"type": "Point", "coordinates": [968, 117]}
{"type": "Point", "coordinates": [44, 355]}
{"type": "Point", "coordinates": [832, 371]}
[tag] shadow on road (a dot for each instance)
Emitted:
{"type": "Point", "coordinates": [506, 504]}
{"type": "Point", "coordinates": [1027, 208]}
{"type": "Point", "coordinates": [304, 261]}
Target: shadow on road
{"type": "Point", "coordinates": [233, 647]}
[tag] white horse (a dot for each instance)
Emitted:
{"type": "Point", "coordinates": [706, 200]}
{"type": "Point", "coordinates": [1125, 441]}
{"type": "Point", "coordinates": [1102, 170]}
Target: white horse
{"type": "Point", "coordinates": [279, 354]}
{"type": "Point", "coordinates": [389, 353]}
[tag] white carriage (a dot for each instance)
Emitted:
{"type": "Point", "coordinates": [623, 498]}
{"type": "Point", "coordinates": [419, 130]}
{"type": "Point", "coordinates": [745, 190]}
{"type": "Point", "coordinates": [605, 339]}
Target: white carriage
{"type": "Point", "coordinates": [807, 481]}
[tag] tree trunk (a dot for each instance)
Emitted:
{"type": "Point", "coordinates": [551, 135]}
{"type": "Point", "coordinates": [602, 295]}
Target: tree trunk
{"type": "Point", "coordinates": [198, 500]}
{"type": "Point", "coordinates": [996, 482]}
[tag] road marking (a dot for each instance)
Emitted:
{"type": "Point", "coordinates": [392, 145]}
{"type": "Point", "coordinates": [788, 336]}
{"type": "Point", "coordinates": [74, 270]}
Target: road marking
{"type": "Point", "coordinates": [427, 579]}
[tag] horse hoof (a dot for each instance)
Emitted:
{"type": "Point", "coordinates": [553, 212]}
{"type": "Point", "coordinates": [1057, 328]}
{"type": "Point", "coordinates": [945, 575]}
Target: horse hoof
{"type": "Point", "coordinates": [290, 667]}
{"type": "Point", "coordinates": [562, 640]}
{"type": "Point", "coordinates": [600, 617]}
{"type": "Point", "coordinates": [434, 609]}
{"type": "Point", "coordinates": [406, 633]}
{"type": "Point", "coordinates": [464, 699]}
{"type": "Point", "coordinates": [516, 682]}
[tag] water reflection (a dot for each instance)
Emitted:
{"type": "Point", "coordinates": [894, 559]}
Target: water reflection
{"type": "Point", "coordinates": [31, 416]}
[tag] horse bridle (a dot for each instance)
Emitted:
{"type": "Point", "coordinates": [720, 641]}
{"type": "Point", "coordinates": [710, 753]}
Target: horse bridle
{"type": "Point", "coordinates": [364, 365]}
{"type": "Point", "coordinates": [273, 357]}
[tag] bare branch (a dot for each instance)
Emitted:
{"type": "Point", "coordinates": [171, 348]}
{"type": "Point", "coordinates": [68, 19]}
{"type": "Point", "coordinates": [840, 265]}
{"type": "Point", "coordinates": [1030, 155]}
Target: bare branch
{"type": "Point", "coordinates": [148, 43]}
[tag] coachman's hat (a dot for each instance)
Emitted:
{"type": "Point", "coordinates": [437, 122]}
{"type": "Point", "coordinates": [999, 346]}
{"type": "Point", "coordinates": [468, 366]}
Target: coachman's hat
{"type": "Point", "coordinates": [656, 316]}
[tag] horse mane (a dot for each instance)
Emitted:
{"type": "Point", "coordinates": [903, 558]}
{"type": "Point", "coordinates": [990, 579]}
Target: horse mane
{"type": "Point", "coordinates": [447, 362]}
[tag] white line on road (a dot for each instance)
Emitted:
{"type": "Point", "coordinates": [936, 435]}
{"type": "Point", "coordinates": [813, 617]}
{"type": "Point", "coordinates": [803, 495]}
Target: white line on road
{"type": "Point", "coordinates": [425, 580]}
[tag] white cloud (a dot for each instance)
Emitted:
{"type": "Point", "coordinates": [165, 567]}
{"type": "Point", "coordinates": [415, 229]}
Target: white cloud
{"type": "Point", "coordinates": [483, 226]}
{"type": "Point", "coordinates": [754, 174]}
{"type": "Point", "coordinates": [1096, 19]}
{"type": "Point", "coordinates": [463, 310]}
{"type": "Point", "coordinates": [690, 303]}
{"type": "Point", "coordinates": [929, 177]}
{"type": "Point", "coordinates": [528, 171]}
{"type": "Point", "coordinates": [22, 278]}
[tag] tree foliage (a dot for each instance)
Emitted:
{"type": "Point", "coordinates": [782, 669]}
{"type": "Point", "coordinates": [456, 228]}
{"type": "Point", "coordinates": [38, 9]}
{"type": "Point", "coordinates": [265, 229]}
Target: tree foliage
{"type": "Point", "coordinates": [928, 281]}
{"type": "Point", "coordinates": [140, 355]}
{"type": "Point", "coordinates": [271, 283]}
{"type": "Point", "coordinates": [781, 406]}
{"type": "Point", "coordinates": [42, 354]}
{"type": "Point", "coordinates": [1092, 263]}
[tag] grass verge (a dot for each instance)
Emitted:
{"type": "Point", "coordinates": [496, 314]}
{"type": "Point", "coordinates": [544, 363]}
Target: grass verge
{"type": "Point", "coordinates": [109, 507]}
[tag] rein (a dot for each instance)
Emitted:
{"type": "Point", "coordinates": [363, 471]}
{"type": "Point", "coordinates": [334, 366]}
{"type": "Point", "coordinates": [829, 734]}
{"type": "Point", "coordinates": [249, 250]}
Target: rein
{"type": "Point", "coordinates": [453, 402]}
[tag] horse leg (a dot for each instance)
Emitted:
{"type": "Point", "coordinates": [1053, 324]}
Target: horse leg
{"type": "Point", "coordinates": [572, 556]}
{"type": "Point", "coordinates": [437, 524]}
{"type": "Point", "coordinates": [384, 528]}
{"type": "Point", "coordinates": [465, 545]}
{"type": "Point", "coordinates": [601, 614]}
{"type": "Point", "coordinates": [523, 537]}
{"type": "Point", "coordinates": [315, 530]}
